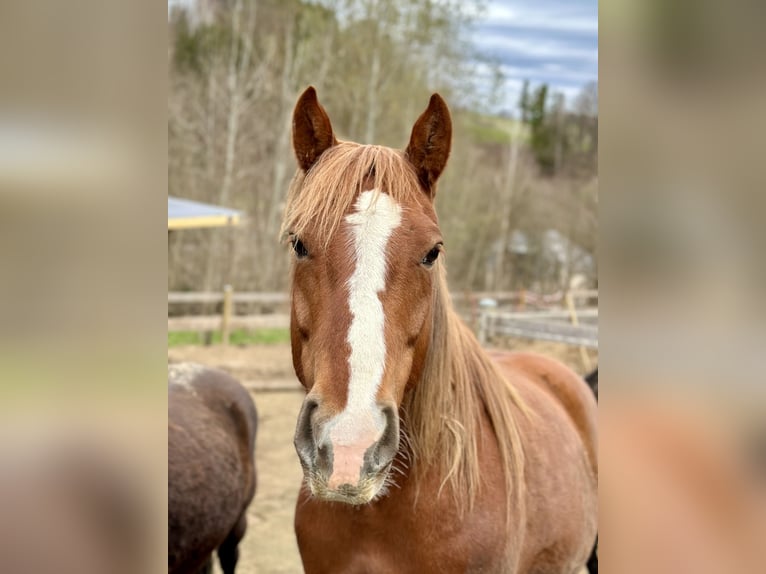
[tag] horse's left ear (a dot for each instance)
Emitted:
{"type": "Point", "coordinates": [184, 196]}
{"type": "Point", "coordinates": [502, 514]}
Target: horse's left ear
{"type": "Point", "coordinates": [430, 142]}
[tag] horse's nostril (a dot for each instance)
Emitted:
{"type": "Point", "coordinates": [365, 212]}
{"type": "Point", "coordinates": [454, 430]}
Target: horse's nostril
{"type": "Point", "coordinates": [304, 441]}
{"type": "Point", "coordinates": [388, 444]}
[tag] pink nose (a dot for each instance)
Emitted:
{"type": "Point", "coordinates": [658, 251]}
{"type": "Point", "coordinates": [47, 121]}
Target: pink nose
{"type": "Point", "coordinates": [346, 454]}
{"type": "Point", "coordinates": [347, 464]}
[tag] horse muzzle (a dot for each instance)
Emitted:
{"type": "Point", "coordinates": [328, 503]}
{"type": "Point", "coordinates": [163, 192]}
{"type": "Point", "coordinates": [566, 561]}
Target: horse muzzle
{"type": "Point", "coordinates": [349, 465]}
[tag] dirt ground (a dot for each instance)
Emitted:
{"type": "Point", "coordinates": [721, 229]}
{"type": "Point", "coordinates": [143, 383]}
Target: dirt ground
{"type": "Point", "coordinates": [269, 546]}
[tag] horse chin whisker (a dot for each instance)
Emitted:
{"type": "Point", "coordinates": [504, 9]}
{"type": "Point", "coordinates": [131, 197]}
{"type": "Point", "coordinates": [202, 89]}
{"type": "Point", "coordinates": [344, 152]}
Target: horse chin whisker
{"type": "Point", "coordinates": [390, 482]}
{"type": "Point", "coordinates": [402, 464]}
{"type": "Point", "coordinates": [368, 491]}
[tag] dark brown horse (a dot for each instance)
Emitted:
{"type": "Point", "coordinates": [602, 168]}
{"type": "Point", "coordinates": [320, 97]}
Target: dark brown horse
{"type": "Point", "coordinates": [421, 453]}
{"type": "Point", "coordinates": [592, 380]}
{"type": "Point", "coordinates": [211, 469]}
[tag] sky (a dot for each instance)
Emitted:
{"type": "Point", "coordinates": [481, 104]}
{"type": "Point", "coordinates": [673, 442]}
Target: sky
{"type": "Point", "coordinates": [544, 41]}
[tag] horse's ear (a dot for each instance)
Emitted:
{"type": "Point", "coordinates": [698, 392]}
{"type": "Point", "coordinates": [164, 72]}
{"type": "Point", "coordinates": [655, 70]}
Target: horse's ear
{"type": "Point", "coordinates": [430, 142]}
{"type": "Point", "coordinates": [312, 131]}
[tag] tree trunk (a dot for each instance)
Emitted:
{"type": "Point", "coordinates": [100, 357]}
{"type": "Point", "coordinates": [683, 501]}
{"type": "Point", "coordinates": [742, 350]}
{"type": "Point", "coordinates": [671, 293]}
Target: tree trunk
{"type": "Point", "coordinates": [238, 60]}
{"type": "Point", "coordinates": [507, 204]}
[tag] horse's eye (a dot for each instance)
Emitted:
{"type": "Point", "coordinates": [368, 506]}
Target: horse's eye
{"type": "Point", "coordinates": [300, 250]}
{"type": "Point", "coordinates": [432, 256]}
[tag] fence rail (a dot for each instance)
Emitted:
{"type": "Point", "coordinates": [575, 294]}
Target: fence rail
{"type": "Point", "coordinates": [547, 314]}
{"type": "Point", "coordinates": [523, 325]}
{"type": "Point", "coordinates": [565, 325]}
{"type": "Point", "coordinates": [176, 297]}
{"type": "Point", "coordinates": [277, 297]}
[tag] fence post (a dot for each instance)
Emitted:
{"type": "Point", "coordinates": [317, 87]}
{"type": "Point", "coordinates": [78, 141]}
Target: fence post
{"type": "Point", "coordinates": [227, 312]}
{"type": "Point", "coordinates": [483, 336]}
{"type": "Point", "coordinates": [569, 300]}
{"type": "Point", "coordinates": [473, 305]}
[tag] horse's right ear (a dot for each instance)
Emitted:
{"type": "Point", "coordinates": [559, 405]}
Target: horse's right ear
{"type": "Point", "coordinates": [312, 131]}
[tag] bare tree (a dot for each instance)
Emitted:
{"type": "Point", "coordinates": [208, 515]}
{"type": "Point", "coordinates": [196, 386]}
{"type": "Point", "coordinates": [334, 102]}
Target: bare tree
{"type": "Point", "coordinates": [234, 78]}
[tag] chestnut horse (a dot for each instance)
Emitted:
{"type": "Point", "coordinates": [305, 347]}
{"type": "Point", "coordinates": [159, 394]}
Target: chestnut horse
{"type": "Point", "coordinates": [211, 469]}
{"type": "Point", "coordinates": [421, 453]}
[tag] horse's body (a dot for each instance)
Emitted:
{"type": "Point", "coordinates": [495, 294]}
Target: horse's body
{"type": "Point", "coordinates": [211, 470]}
{"type": "Point", "coordinates": [421, 453]}
{"type": "Point", "coordinates": [405, 533]}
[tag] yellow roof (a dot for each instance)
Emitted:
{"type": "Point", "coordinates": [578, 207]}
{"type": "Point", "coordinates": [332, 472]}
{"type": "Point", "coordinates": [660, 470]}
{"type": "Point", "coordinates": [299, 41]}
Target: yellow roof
{"type": "Point", "coordinates": [188, 214]}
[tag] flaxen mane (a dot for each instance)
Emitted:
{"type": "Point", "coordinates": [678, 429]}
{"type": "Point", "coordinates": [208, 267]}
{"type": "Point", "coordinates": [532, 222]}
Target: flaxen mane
{"type": "Point", "coordinates": [443, 419]}
{"type": "Point", "coordinates": [442, 414]}
{"type": "Point", "coordinates": [335, 180]}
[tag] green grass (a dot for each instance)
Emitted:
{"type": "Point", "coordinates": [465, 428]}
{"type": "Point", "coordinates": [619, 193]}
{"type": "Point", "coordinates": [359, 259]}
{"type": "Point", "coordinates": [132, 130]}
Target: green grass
{"type": "Point", "coordinates": [238, 337]}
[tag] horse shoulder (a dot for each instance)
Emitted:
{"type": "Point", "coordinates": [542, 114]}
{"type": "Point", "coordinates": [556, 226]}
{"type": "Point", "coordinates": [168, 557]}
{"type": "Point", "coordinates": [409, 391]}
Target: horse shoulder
{"type": "Point", "coordinates": [564, 386]}
{"type": "Point", "coordinates": [560, 462]}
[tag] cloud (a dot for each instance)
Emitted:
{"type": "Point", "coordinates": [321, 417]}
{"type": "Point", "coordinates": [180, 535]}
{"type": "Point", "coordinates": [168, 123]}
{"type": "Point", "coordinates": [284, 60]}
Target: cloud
{"type": "Point", "coordinates": [545, 14]}
{"type": "Point", "coordinates": [544, 41]}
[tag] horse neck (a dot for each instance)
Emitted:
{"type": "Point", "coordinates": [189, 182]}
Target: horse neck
{"type": "Point", "coordinates": [454, 354]}
{"type": "Point", "coordinates": [460, 391]}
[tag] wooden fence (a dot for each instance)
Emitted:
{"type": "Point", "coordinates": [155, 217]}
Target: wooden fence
{"type": "Point", "coordinates": [547, 326]}
{"type": "Point", "coordinates": [515, 314]}
{"type": "Point", "coordinates": [523, 298]}
{"type": "Point", "coordinates": [228, 320]}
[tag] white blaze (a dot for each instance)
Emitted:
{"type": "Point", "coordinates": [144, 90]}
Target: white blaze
{"type": "Point", "coordinates": [371, 226]}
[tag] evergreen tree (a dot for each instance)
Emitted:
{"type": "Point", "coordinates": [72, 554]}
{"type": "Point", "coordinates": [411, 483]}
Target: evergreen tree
{"type": "Point", "coordinates": [541, 136]}
{"type": "Point", "coordinates": [524, 103]}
